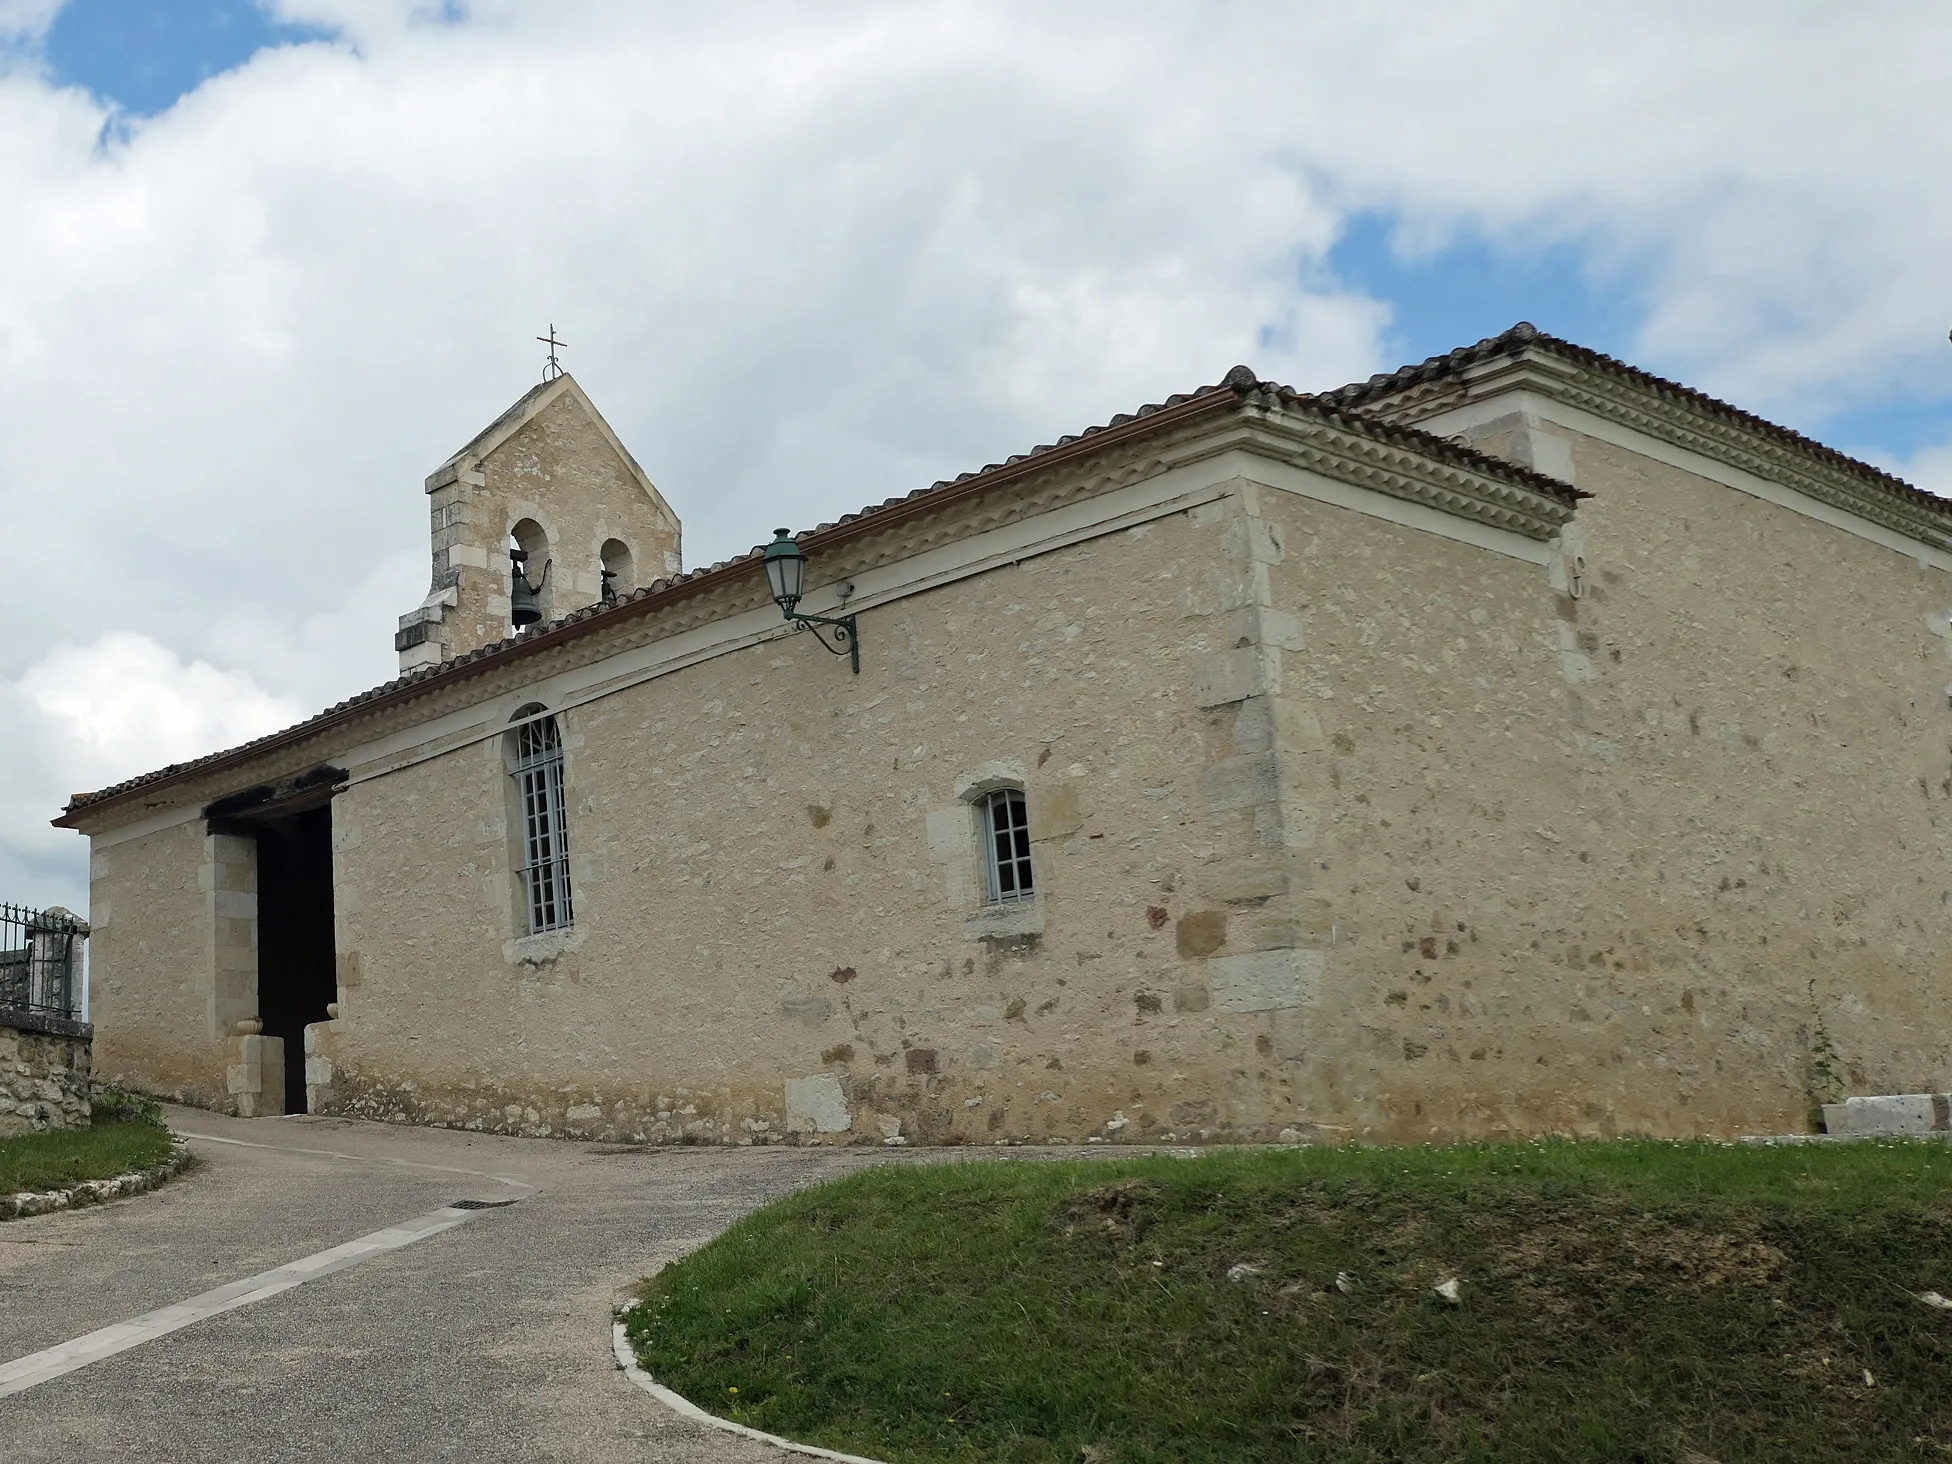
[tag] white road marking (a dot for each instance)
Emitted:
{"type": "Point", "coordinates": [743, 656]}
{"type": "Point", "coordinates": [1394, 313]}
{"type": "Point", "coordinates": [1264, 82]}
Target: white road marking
{"type": "Point", "coordinates": [26, 1372]}
{"type": "Point", "coordinates": [359, 1158]}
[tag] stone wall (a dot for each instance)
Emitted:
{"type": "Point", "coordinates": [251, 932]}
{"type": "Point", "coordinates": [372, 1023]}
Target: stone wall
{"type": "Point", "coordinates": [44, 1077]}
{"type": "Point", "coordinates": [1345, 828]}
{"type": "Point", "coordinates": [776, 869]}
{"type": "Point", "coordinates": [1350, 822]}
{"type": "Point", "coordinates": [1764, 782]}
{"type": "Point", "coordinates": [173, 960]}
{"type": "Point", "coordinates": [1667, 857]}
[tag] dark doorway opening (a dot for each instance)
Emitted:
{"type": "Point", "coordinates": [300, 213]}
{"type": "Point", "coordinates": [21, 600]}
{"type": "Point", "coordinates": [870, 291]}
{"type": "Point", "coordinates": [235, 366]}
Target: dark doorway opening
{"type": "Point", "coordinates": [297, 966]}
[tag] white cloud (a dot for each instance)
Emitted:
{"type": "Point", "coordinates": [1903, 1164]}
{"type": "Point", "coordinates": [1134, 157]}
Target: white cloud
{"type": "Point", "coordinates": [86, 716]}
{"type": "Point", "coordinates": [26, 19]}
{"type": "Point", "coordinates": [809, 257]}
{"type": "Point", "coordinates": [128, 705]}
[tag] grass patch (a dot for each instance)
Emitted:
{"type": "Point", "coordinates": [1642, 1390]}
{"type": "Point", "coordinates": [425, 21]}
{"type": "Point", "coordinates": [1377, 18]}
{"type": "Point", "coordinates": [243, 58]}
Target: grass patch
{"type": "Point", "coordinates": [1693, 1303]}
{"type": "Point", "coordinates": [128, 1134]}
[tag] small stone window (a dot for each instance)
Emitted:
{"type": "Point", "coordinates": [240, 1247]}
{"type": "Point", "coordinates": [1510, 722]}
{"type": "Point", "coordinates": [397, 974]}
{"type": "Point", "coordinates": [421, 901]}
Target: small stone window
{"type": "Point", "coordinates": [1006, 845]}
{"type": "Point", "coordinates": [536, 764]}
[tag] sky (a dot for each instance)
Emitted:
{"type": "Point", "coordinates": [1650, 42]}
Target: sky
{"type": "Point", "coordinates": [263, 267]}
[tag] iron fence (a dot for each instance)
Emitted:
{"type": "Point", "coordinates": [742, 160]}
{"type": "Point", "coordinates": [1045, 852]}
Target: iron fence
{"type": "Point", "coordinates": [40, 961]}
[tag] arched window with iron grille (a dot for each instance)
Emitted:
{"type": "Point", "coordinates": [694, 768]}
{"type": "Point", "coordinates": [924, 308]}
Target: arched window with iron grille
{"type": "Point", "coordinates": [536, 764]}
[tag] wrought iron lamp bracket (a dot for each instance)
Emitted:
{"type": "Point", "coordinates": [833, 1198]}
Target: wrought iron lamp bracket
{"type": "Point", "coordinates": [846, 636]}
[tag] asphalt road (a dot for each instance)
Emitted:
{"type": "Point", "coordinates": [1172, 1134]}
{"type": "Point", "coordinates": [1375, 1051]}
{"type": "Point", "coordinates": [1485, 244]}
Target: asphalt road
{"type": "Point", "coordinates": [490, 1341]}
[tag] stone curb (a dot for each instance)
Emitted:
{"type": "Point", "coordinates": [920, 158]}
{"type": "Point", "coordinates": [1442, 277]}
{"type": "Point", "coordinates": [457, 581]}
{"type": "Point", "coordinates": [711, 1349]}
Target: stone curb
{"type": "Point", "coordinates": [94, 1191]}
{"type": "Point", "coordinates": [685, 1408]}
{"type": "Point", "coordinates": [1772, 1140]}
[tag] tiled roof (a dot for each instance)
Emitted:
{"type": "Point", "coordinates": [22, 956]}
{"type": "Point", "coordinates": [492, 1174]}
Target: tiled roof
{"type": "Point", "coordinates": [1525, 335]}
{"type": "Point", "coordinates": [1329, 407]}
{"type": "Point", "coordinates": [1238, 385]}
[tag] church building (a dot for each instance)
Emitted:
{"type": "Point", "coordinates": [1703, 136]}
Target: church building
{"type": "Point", "coordinates": [1515, 744]}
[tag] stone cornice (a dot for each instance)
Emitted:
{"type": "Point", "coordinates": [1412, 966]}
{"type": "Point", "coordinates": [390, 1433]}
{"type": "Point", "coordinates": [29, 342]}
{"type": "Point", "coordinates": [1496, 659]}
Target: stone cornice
{"type": "Point", "coordinates": [1623, 398]}
{"type": "Point", "coordinates": [1316, 442]}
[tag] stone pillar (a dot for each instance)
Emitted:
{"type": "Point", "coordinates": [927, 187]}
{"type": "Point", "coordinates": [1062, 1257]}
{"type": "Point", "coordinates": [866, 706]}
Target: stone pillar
{"type": "Point", "coordinates": [254, 1072]}
{"type": "Point", "coordinates": [55, 945]}
{"type": "Point", "coordinates": [229, 880]}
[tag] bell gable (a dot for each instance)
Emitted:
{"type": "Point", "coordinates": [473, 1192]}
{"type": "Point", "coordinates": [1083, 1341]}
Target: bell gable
{"type": "Point", "coordinates": [550, 481]}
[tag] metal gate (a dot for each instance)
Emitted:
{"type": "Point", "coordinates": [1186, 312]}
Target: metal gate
{"type": "Point", "coordinates": [40, 966]}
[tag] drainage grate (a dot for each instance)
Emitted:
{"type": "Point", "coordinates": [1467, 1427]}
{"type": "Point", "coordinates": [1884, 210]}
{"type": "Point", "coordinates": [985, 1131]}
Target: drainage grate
{"type": "Point", "coordinates": [478, 1204]}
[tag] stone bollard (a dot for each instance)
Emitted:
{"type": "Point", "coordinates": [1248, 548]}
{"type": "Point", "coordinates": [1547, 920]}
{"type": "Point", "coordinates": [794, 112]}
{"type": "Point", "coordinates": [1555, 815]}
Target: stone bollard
{"type": "Point", "coordinates": [255, 1071]}
{"type": "Point", "coordinates": [321, 1047]}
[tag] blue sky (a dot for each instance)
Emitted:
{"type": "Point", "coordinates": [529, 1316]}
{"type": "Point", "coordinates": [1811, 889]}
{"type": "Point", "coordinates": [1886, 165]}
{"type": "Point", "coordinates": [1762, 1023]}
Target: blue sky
{"type": "Point", "coordinates": [144, 54]}
{"type": "Point", "coordinates": [1458, 294]}
{"type": "Point", "coordinates": [1453, 296]}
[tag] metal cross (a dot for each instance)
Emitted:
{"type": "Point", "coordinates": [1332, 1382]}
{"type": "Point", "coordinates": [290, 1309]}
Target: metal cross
{"type": "Point", "coordinates": [555, 367]}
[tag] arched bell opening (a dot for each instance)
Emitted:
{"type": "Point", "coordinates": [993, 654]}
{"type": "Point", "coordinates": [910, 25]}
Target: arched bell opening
{"type": "Point", "coordinates": [619, 570]}
{"type": "Point", "coordinates": [531, 597]}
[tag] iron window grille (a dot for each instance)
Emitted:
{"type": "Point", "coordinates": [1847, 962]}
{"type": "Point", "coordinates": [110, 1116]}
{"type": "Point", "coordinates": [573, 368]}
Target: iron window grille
{"type": "Point", "coordinates": [1006, 829]}
{"type": "Point", "coordinates": [39, 962]}
{"type": "Point", "coordinates": [545, 832]}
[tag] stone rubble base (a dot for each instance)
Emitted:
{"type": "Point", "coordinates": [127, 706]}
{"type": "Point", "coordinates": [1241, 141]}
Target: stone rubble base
{"type": "Point", "coordinates": [685, 1408]}
{"type": "Point", "coordinates": [93, 1191]}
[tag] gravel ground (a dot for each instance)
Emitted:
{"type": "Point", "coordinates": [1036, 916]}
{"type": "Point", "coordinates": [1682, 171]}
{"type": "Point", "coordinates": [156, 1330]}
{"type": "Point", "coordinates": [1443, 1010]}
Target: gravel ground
{"type": "Point", "coordinates": [488, 1342]}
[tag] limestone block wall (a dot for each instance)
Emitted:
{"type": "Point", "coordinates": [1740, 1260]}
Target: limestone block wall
{"type": "Point", "coordinates": [1444, 775]}
{"type": "Point", "coordinates": [1666, 857]}
{"type": "Point", "coordinates": [777, 884]}
{"type": "Point", "coordinates": [44, 1077]}
{"type": "Point", "coordinates": [173, 962]}
{"type": "Point", "coordinates": [1768, 694]}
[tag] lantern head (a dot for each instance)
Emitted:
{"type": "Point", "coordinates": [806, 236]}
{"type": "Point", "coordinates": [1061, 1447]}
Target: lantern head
{"type": "Point", "coordinates": [786, 569]}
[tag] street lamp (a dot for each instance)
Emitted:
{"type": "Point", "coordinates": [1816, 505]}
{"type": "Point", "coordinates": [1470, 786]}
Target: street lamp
{"type": "Point", "coordinates": [786, 568]}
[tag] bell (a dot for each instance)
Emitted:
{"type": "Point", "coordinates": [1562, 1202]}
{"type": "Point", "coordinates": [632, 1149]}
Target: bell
{"type": "Point", "coordinates": [523, 607]}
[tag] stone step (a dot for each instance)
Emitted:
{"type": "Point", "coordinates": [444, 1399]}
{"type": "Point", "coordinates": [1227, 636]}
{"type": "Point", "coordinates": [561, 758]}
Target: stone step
{"type": "Point", "coordinates": [1890, 1113]}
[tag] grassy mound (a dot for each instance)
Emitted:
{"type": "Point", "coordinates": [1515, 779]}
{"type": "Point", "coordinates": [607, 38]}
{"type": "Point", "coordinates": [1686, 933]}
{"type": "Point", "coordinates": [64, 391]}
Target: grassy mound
{"type": "Point", "coordinates": [1692, 1303]}
{"type": "Point", "coordinates": [128, 1134]}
